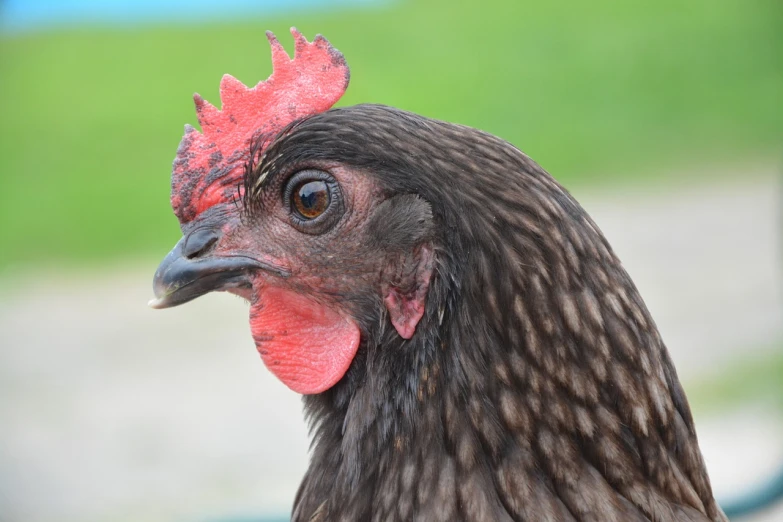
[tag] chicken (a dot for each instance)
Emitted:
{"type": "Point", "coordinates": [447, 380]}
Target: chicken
{"type": "Point", "coordinates": [467, 344]}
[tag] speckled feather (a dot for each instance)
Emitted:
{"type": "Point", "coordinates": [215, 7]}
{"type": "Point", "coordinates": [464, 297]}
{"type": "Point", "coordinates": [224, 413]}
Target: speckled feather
{"type": "Point", "coordinates": [536, 387]}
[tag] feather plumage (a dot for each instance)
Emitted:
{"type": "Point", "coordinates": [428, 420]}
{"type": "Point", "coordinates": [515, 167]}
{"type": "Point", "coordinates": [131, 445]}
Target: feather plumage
{"type": "Point", "coordinates": [536, 387]}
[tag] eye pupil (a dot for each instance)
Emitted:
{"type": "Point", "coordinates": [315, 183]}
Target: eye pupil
{"type": "Point", "coordinates": [311, 199]}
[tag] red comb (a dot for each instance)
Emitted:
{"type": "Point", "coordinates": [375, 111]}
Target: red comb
{"type": "Point", "coordinates": [208, 166]}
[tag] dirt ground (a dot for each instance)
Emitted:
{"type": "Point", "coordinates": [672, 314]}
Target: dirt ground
{"type": "Point", "coordinates": [112, 411]}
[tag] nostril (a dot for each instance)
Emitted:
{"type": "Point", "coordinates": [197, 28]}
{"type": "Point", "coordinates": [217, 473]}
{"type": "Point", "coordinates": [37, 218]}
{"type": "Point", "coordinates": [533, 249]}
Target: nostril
{"type": "Point", "coordinates": [203, 250]}
{"type": "Point", "coordinates": [199, 243]}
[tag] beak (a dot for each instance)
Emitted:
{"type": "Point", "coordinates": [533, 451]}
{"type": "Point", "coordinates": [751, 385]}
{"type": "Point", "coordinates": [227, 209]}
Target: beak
{"type": "Point", "coordinates": [187, 273]}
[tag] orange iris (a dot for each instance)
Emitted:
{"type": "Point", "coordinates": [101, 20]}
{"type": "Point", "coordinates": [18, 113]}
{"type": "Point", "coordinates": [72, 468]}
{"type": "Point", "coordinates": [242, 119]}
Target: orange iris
{"type": "Point", "coordinates": [311, 199]}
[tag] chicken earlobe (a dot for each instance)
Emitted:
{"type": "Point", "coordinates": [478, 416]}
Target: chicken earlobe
{"type": "Point", "coordinates": [402, 226]}
{"type": "Point", "coordinates": [405, 298]}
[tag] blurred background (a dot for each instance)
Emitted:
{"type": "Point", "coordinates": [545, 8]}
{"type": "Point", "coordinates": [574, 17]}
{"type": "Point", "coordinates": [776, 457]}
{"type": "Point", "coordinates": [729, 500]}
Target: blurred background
{"type": "Point", "coordinates": [664, 118]}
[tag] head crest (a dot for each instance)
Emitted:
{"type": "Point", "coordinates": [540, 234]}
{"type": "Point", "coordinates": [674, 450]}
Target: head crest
{"type": "Point", "coordinates": [209, 164]}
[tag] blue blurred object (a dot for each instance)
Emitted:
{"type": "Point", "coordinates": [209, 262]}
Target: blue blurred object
{"type": "Point", "coordinates": [757, 500]}
{"type": "Point", "coordinates": [24, 15]}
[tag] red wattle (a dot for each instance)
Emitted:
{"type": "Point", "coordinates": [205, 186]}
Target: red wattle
{"type": "Point", "coordinates": [305, 344]}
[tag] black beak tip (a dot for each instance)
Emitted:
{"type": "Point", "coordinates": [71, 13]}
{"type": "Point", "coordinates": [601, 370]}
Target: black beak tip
{"type": "Point", "coordinates": [157, 303]}
{"type": "Point", "coordinates": [165, 283]}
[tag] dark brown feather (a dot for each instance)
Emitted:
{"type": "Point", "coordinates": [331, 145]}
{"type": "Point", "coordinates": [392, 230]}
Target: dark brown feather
{"type": "Point", "coordinates": [536, 387]}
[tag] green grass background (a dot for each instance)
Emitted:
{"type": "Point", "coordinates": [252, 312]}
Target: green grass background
{"type": "Point", "coordinates": [597, 92]}
{"type": "Point", "coordinates": [756, 378]}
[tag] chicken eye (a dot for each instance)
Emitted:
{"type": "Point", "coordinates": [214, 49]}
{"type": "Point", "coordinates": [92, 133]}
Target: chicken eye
{"type": "Point", "coordinates": [313, 200]}
{"type": "Point", "coordinates": [310, 199]}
